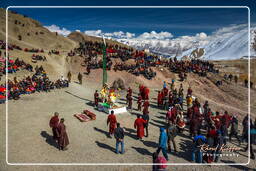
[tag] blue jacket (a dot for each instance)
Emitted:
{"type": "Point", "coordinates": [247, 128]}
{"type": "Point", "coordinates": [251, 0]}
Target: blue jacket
{"type": "Point", "coordinates": [162, 138]}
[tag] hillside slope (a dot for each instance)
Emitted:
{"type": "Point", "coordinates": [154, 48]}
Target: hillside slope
{"type": "Point", "coordinates": [33, 34]}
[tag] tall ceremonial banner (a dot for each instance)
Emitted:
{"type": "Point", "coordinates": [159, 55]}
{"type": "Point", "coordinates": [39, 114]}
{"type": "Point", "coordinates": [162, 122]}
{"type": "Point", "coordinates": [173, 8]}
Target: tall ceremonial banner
{"type": "Point", "coordinates": [105, 76]}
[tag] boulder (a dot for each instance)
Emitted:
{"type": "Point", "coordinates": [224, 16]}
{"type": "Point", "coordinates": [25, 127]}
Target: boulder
{"type": "Point", "coordinates": [118, 84]}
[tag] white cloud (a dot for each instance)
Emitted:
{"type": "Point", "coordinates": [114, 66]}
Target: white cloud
{"type": "Point", "coordinates": [113, 35]}
{"type": "Point", "coordinates": [155, 35]}
{"type": "Point", "coordinates": [129, 35]}
{"type": "Point", "coordinates": [96, 33]}
{"type": "Point", "coordinates": [63, 31]}
{"type": "Point", "coordinates": [78, 30]}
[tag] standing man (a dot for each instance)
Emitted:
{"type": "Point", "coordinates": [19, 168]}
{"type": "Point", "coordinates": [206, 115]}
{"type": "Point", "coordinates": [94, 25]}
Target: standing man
{"type": "Point", "coordinates": [63, 136]}
{"type": "Point", "coordinates": [145, 117]}
{"type": "Point", "coordinates": [69, 76]}
{"type": "Point", "coordinates": [80, 78]}
{"type": "Point", "coordinates": [54, 122]}
{"type": "Point", "coordinates": [162, 143]}
{"type": "Point", "coordinates": [139, 125]}
{"type": "Point", "coordinates": [96, 98]}
{"type": "Point", "coordinates": [171, 131]}
{"type": "Point", "coordinates": [119, 136]}
{"type": "Point", "coordinates": [112, 123]}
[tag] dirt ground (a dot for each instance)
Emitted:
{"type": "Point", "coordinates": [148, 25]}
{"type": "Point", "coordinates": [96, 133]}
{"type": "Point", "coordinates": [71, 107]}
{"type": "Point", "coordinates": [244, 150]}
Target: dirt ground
{"type": "Point", "coordinates": [29, 136]}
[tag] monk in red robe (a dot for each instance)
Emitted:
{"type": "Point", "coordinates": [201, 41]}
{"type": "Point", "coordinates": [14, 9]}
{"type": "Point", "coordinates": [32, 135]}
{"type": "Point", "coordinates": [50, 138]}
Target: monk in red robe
{"type": "Point", "coordinates": [146, 92]}
{"type": "Point", "coordinates": [165, 91]}
{"type": "Point", "coordinates": [63, 140]}
{"type": "Point", "coordinates": [189, 91]}
{"type": "Point", "coordinates": [129, 102]}
{"type": "Point", "coordinates": [145, 105]}
{"type": "Point", "coordinates": [112, 122]}
{"type": "Point", "coordinates": [54, 122]}
{"type": "Point", "coordinates": [159, 99]}
{"type": "Point", "coordinates": [129, 91]}
{"type": "Point", "coordinates": [141, 88]}
{"type": "Point", "coordinates": [139, 102]}
{"type": "Point", "coordinates": [139, 125]}
{"type": "Point", "coordinates": [96, 98]}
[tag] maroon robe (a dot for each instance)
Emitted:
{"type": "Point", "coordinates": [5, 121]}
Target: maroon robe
{"type": "Point", "coordinates": [129, 101]}
{"type": "Point", "coordinates": [54, 125]}
{"type": "Point", "coordinates": [139, 124]}
{"type": "Point", "coordinates": [96, 99]}
{"type": "Point", "coordinates": [112, 123]}
{"type": "Point", "coordinates": [145, 105]}
{"type": "Point", "coordinates": [129, 91]}
{"type": "Point", "coordinates": [159, 99]}
{"type": "Point", "coordinates": [63, 140]}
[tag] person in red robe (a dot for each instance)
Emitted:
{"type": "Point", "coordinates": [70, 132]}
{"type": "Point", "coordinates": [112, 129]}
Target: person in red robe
{"type": "Point", "coordinates": [159, 99]}
{"type": "Point", "coordinates": [189, 91]}
{"type": "Point", "coordinates": [165, 91]}
{"type": "Point", "coordinates": [141, 89]}
{"type": "Point", "coordinates": [139, 125]}
{"type": "Point", "coordinates": [146, 93]}
{"type": "Point", "coordinates": [145, 107]}
{"type": "Point", "coordinates": [63, 140]}
{"type": "Point", "coordinates": [129, 91]}
{"type": "Point", "coordinates": [54, 122]}
{"type": "Point", "coordinates": [112, 123]}
{"type": "Point", "coordinates": [96, 98]}
{"type": "Point", "coordinates": [217, 120]}
{"type": "Point", "coordinates": [129, 102]}
{"type": "Point", "coordinates": [139, 102]}
{"type": "Point", "coordinates": [226, 119]}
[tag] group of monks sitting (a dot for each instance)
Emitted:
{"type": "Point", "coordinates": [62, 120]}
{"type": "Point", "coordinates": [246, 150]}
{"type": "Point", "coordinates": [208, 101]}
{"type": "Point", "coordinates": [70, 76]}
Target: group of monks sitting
{"type": "Point", "coordinates": [14, 66]}
{"type": "Point", "coordinates": [38, 82]}
{"type": "Point", "coordinates": [197, 66]}
{"type": "Point", "coordinates": [143, 62]}
{"type": "Point", "coordinates": [36, 58]}
{"type": "Point", "coordinates": [56, 52]}
{"type": "Point", "coordinates": [10, 46]}
{"type": "Point", "coordinates": [33, 50]}
{"type": "Point", "coordinates": [135, 69]}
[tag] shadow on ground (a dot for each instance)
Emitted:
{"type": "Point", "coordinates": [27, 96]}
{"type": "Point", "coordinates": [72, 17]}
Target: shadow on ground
{"type": "Point", "coordinates": [49, 139]}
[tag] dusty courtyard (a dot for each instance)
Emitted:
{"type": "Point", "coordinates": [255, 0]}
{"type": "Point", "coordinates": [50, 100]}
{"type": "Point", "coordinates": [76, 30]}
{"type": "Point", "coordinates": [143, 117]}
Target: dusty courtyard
{"type": "Point", "coordinates": [29, 135]}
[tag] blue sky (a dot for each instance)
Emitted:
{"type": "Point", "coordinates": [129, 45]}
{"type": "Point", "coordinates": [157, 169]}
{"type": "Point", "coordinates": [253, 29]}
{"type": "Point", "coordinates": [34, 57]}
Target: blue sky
{"type": "Point", "coordinates": [178, 22]}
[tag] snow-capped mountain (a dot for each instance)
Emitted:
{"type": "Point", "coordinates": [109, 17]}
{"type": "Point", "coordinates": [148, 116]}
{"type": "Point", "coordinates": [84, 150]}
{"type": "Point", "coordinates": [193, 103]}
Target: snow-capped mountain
{"type": "Point", "coordinates": [226, 43]}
